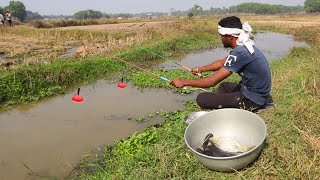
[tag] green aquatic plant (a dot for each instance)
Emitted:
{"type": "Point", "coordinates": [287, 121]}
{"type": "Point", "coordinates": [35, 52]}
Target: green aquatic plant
{"type": "Point", "coordinates": [150, 115]}
{"type": "Point", "coordinates": [140, 118]}
{"type": "Point", "coordinates": [136, 142]}
{"type": "Point", "coordinates": [164, 114]}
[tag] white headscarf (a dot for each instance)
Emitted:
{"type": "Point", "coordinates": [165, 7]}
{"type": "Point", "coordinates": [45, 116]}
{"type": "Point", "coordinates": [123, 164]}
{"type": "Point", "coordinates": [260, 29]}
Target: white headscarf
{"type": "Point", "coordinates": [244, 35]}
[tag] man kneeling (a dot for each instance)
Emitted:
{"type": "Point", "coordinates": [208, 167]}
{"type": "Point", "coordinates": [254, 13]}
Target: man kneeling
{"type": "Point", "coordinates": [252, 92]}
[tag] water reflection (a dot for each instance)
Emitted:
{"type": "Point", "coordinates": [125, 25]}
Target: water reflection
{"type": "Point", "coordinates": [276, 45]}
{"type": "Point", "coordinates": [69, 53]}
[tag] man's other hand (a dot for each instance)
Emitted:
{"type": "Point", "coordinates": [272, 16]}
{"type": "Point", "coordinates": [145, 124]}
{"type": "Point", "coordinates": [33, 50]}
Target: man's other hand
{"type": "Point", "coordinates": [195, 71]}
{"type": "Point", "coordinates": [178, 83]}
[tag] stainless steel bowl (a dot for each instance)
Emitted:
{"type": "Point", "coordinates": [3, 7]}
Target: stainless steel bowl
{"type": "Point", "coordinates": [243, 126]}
{"type": "Point", "coordinates": [192, 116]}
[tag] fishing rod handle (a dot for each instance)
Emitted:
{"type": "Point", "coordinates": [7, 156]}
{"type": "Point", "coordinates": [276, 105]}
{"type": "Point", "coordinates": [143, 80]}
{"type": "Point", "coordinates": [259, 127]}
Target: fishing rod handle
{"type": "Point", "coordinates": [165, 79]}
{"type": "Point", "coordinates": [185, 67]}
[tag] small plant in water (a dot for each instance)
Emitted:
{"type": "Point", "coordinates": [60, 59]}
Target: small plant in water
{"type": "Point", "coordinates": [140, 118]}
{"type": "Point", "coordinates": [150, 115]}
{"type": "Point", "coordinates": [164, 114]}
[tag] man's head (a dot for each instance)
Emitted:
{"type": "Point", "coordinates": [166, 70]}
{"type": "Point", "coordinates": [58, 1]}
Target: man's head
{"type": "Point", "coordinates": [229, 22]}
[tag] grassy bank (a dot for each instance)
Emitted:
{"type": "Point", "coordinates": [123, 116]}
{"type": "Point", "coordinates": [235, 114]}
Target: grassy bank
{"type": "Point", "coordinates": [31, 82]}
{"type": "Point", "coordinates": [292, 149]}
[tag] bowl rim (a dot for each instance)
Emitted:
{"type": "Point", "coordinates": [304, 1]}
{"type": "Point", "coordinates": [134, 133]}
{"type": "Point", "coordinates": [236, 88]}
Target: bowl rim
{"type": "Point", "coordinates": [194, 112]}
{"type": "Point", "coordinates": [231, 157]}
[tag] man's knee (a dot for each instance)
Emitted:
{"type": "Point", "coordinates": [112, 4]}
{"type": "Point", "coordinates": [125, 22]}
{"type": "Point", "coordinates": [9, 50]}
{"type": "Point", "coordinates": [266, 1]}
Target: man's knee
{"type": "Point", "coordinates": [201, 100]}
{"type": "Point", "coordinates": [222, 87]}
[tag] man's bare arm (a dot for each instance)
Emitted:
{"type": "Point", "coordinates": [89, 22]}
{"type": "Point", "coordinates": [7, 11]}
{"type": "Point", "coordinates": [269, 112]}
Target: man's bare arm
{"type": "Point", "coordinates": [211, 67]}
{"type": "Point", "coordinates": [206, 82]}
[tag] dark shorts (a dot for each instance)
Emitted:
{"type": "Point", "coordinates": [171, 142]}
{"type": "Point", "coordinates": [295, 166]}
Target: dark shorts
{"type": "Point", "coordinates": [229, 95]}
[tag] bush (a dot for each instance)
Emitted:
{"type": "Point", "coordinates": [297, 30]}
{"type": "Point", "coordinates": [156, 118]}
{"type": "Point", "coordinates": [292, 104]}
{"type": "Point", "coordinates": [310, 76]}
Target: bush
{"type": "Point", "coordinates": [40, 24]}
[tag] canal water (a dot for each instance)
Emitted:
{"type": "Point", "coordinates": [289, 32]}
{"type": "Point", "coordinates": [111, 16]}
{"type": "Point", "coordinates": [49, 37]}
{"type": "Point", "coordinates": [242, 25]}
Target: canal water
{"type": "Point", "coordinates": [50, 136]}
{"type": "Point", "coordinates": [274, 46]}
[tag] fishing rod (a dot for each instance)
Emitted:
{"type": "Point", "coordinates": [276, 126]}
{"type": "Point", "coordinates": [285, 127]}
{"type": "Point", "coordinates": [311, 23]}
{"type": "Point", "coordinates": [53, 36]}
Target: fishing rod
{"type": "Point", "coordinates": [131, 64]}
{"type": "Point", "coordinates": [185, 67]}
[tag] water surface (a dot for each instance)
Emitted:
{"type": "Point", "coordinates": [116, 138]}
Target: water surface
{"type": "Point", "coordinates": [49, 135]}
{"type": "Point", "coordinates": [274, 46]}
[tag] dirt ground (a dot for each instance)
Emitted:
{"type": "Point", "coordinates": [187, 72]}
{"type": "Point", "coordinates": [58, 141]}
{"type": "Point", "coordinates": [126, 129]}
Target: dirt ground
{"type": "Point", "coordinates": [297, 24]}
{"type": "Point", "coordinates": [123, 27]}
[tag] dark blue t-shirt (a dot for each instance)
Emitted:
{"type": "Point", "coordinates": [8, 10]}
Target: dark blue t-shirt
{"type": "Point", "coordinates": [254, 70]}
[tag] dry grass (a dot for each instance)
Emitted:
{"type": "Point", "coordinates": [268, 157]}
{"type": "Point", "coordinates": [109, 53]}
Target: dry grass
{"type": "Point", "coordinates": [24, 44]}
{"type": "Point", "coordinates": [310, 138]}
{"type": "Point", "coordinates": [293, 24]}
{"type": "Point", "coordinates": [123, 27]}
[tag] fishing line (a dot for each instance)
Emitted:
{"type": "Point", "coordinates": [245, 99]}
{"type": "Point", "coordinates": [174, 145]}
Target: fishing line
{"type": "Point", "coordinates": [131, 64]}
{"type": "Point", "coordinates": [184, 67]}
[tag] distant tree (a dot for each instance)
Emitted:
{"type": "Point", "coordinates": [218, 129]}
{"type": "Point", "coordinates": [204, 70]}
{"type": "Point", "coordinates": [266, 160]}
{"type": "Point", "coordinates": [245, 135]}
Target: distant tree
{"type": "Point", "coordinates": [88, 14]}
{"type": "Point", "coordinates": [259, 8]}
{"type": "Point", "coordinates": [179, 13]}
{"type": "Point", "coordinates": [58, 17]}
{"type": "Point", "coordinates": [1, 10]}
{"type": "Point", "coordinates": [214, 11]}
{"type": "Point", "coordinates": [32, 16]}
{"type": "Point", "coordinates": [196, 10]}
{"type": "Point", "coordinates": [171, 10]}
{"type": "Point", "coordinates": [291, 9]}
{"type": "Point", "coordinates": [106, 15]}
{"type": "Point", "coordinates": [124, 15]}
{"type": "Point", "coordinates": [312, 6]}
{"type": "Point", "coordinates": [254, 8]}
{"type": "Point", "coordinates": [18, 10]}
{"type": "Point", "coordinates": [190, 14]}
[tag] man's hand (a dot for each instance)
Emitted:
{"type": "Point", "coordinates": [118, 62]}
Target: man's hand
{"type": "Point", "coordinates": [178, 83]}
{"type": "Point", "coordinates": [195, 71]}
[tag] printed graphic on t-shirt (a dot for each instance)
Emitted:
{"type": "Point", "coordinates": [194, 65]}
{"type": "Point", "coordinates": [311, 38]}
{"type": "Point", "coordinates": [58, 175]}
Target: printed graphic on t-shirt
{"type": "Point", "coordinates": [230, 60]}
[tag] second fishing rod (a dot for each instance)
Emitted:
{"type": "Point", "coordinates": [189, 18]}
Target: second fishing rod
{"type": "Point", "coordinates": [140, 68]}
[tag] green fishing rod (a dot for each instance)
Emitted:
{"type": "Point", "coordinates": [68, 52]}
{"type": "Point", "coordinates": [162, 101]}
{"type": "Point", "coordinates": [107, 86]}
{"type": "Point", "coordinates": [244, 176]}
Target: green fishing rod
{"type": "Point", "coordinates": [184, 67]}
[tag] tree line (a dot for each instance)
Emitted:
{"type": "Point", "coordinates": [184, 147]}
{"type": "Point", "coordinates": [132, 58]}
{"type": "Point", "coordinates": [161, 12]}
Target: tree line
{"type": "Point", "coordinates": [310, 6]}
{"type": "Point", "coordinates": [258, 8]}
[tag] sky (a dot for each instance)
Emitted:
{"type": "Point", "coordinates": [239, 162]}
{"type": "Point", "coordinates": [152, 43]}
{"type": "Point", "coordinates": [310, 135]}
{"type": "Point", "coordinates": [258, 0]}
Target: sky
{"type": "Point", "coordinates": [69, 7]}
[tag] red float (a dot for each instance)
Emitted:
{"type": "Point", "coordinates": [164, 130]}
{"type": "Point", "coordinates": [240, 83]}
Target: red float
{"type": "Point", "coordinates": [122, 84]}
{"type": "Point", "coordinates": [77, 97]}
